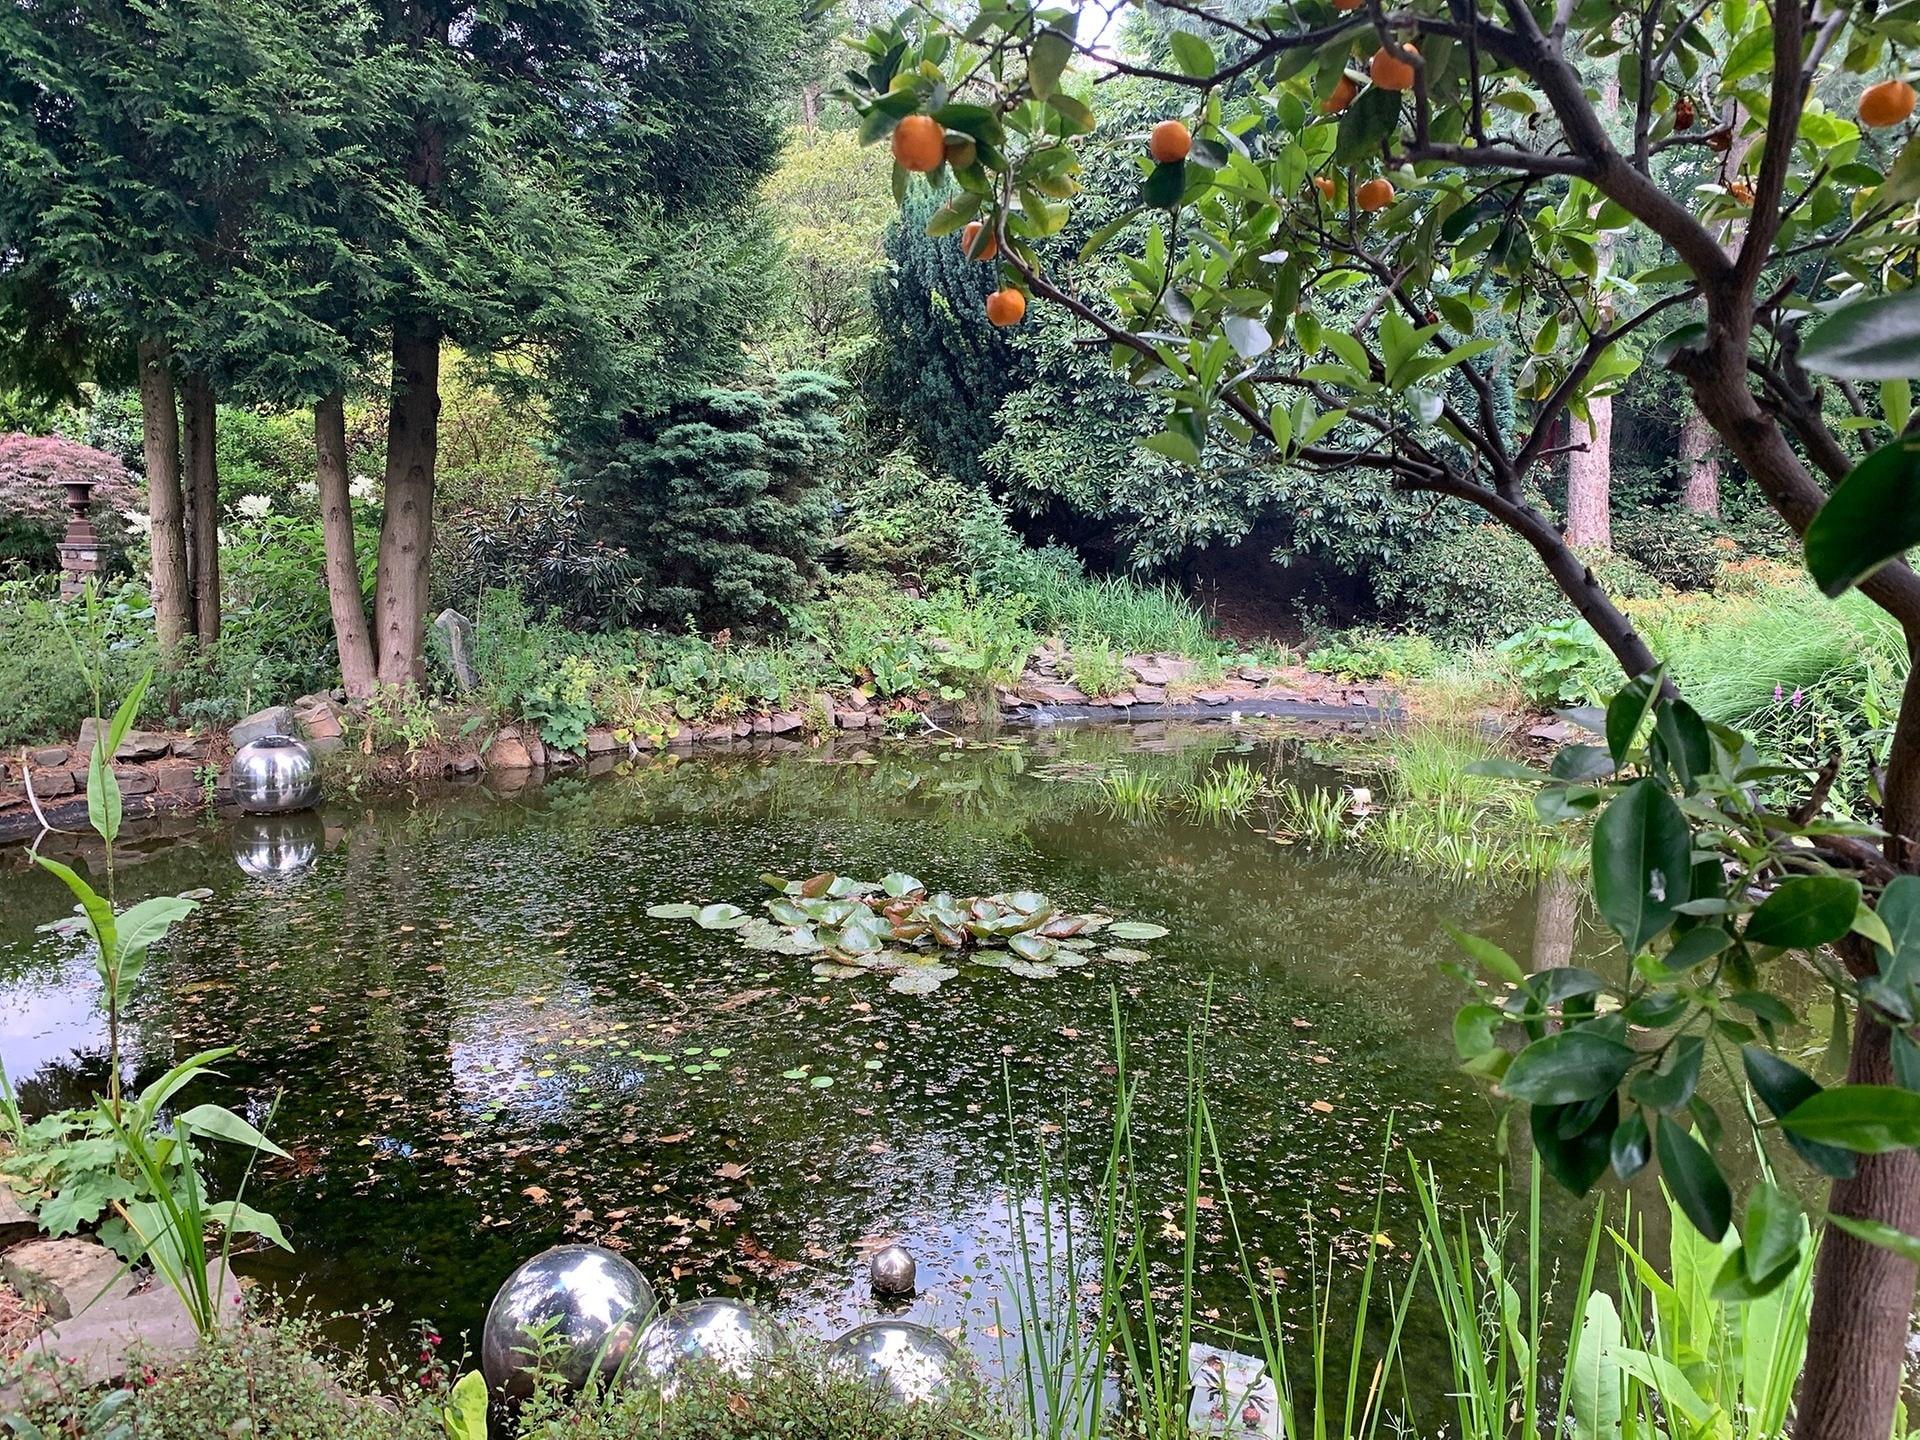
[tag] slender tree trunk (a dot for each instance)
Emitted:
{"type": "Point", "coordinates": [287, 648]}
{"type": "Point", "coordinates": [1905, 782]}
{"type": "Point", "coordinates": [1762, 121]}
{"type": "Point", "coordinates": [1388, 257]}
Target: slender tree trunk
{"type": "Point", "coordinates": [166, 505]}
{"type": "Point", "coordinates": [1590, 478]}
{"type": "Point", "coordinates": [358, 673]}
{"type": "Point", "coordinates": [1555, 916]}
{"type": "Point", "coordinates": [203, 484]}
{"type": "Point", "coordinates": [1699, 466]}
{"type": "Point", "coordinates": [406, 530]}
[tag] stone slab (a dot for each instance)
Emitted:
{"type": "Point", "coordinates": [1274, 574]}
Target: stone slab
{"type": "Point", "coordinates": [134, 782]}
{"type": "Point", "coordinates": [51, 784]}
{"type": "Point", "coordinates": [509, 752]}
{"type": "Point", "coordinates": [49, 756]}
{"type": "Point", "coordinates": [599, 742]}
{"type": "Point", "coordinates": [274, 720]}
{"type": "Point", "coordinates": [16, 1224]}
{"type": "Point", "coordinates": [153, 1325]}
{"type": "Point", "coordinates": [65, 1277]}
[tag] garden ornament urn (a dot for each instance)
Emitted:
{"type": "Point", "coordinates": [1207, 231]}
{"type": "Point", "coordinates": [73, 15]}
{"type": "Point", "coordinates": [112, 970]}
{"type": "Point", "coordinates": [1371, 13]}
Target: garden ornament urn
{"type": "Point", "coordinates": [572, 1312]}
{"type": "Point", "coordinates": [723, 1335]}
{"type": "Point", "coordinates": [910, 1364]}
{"type": "Point", "coordinates": [274, 775]}
{"type": "Point", "coordinates": [277, 847]}
{"type": "Point", "coordinates": [892, 1272]}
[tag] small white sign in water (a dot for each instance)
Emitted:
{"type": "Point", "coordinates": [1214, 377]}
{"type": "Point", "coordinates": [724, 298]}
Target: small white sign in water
{"type": "Point", "coordinates": [1232, 1395]}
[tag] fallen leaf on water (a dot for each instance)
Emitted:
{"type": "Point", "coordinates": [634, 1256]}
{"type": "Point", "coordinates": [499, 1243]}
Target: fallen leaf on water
{"type": "Point", "coordinates": [1322, 1106]}
{"type": "Point", "coordinates": [732, 1170]}
{"type": "Point", "coordinates": [535, 1194]}
{"type": "Point", "coordinates": [673, 1139]}
{"type": "Point", "coordinates": [723, 1205]}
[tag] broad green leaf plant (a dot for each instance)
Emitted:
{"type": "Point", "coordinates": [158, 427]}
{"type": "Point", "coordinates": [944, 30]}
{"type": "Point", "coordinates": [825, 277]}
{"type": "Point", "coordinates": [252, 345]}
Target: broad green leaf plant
{"type": "Point", "coordinates": [128, 1167]}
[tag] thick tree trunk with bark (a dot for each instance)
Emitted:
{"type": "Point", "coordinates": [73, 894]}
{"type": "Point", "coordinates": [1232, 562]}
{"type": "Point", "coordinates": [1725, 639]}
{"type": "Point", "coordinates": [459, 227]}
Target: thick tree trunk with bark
{"type": "Point", "coordinates": [203, 488]}
{"type": "Point", "coordinates": [406, 531]}
{"type": "Point", "coordinates": [1699, 467]}
{"type": "Point", "coordinates": [358, 673]}
{"type": "Point", "coordinates": [1590, 478]}
{"type": "Point", "coordinates": [166, 505]}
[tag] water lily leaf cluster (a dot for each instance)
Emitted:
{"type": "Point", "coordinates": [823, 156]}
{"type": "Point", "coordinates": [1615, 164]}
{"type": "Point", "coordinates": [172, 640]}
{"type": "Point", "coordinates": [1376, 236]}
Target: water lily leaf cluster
{"type": "Point", "coordinates": [894, 927]}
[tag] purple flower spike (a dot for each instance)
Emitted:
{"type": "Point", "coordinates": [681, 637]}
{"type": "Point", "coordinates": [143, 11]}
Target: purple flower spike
{"type": "Point", "coordinates": [1796, 697]}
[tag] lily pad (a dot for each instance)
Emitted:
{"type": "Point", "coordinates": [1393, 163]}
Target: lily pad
{"type": "Point", "coordinates": [1074, 942]}
{"type": "Point", "coordinates": [915, 982]}
{"type": "Point", "coordinates": [721, 917]}
{"type": "Point", "coordinates": [898, 885]}
{"type": "Point", "coordinates": [1035, 948]}
{"type": "Point", "coordinates": [798, 1073]}
{"type": "Point", "coordinates": [1136, 930]}
{"type": "Point", "coordinates": [1067, 960]}
{"type": "Point", "coordinates": [827, 970]}
{"type": "Point", "coordinates": [1124, 955]}
{"type": "Point", "coordinates": [821, 1082]}
{"type": "Point", "coordinates": [995, 960]}
{"type": "Point", "coordinates": [1032, 971]}
{"type": "Point", "coordinates": [673, 912]}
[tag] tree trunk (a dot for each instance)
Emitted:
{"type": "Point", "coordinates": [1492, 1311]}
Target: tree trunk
{"type": "Point", "coordinates": [406, 531]}
{"type": "Point", "coordinates": [357, 670]}
{"type": "Point", "coordinates": [1590, 478]}
{"type": "Point", "coordinates": [1700, 466]}
{"type": "Point", "coordinates": [203, 485]}
{"type": "Point", "coordinates": [166, 506]}
{"type": "Point", "coordinates": [1555, 919]}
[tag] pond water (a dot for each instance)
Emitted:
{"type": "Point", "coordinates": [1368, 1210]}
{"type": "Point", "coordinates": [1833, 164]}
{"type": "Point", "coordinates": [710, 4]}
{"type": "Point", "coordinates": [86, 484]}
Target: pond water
{"type": "Point", "coordinates": [482, 1045]}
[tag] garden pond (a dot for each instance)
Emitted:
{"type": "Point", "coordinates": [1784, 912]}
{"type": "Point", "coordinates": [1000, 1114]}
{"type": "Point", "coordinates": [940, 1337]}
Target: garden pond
{"type": "Point", "coordinates": [482, 1043]}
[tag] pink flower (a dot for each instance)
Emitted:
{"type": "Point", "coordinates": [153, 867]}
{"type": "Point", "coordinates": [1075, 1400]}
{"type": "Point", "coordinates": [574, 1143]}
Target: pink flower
{"type": "Point", "coordinates": [1777, 694]}
{"type": "Point", "coordinates": [1796, 697]}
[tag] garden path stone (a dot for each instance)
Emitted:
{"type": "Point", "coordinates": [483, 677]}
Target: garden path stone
{"type": "Point", "coordinates": [274, 720]}
{"type": "Point", "coordinates": [153, 1323]}
{"type": "Point", "coordinates": [15, 1223]}
{"type": "Point", "coordinates": [65, 1276]}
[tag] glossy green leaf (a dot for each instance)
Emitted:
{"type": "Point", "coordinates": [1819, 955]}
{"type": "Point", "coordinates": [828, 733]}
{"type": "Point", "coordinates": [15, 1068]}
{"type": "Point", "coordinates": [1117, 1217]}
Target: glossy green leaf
{"type": "Point", "coordinates": [1489, 956]}
{"type": "Point", "coordinates": [1695, 1179]}
{"type": "Point", "coordinates": [1805, 911]}
{"type": "Point", "coordinates": [1567, 1068]}
{"type": "Point", "coordinates": [1876, 1232]}
{"type": "Point", "coordinates": [1873, 516]}
{"type": "Point", "coordinates": [1877, 338]}
{"type": "Point", "coordinates": [1192, 54]}
{"type": "Point", "coordinates": [1642, 857]}
{"type": "Point", "coordinates": [1577, 1160]}
{"type": "Point", "coordinates": [1369, 120]}
{"type": "Point", "coordinates": [1047, 61]}
{"type": "Point", "coordinates": [1867, 1119]}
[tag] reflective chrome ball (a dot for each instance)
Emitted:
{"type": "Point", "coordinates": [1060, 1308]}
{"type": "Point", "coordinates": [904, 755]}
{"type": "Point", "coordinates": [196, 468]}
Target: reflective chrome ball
{"type": "Point", "coordinates": [892, 1271]}
{"type": "Point", "coordinates": [273, 847]}
{"type": "Point", "coordinates": [273, 775]}
{"type": "Point", "coordinates": [595, 1303]}
{"type": "Point", "coordinates": [724, 1334]}
{"type": "Point", "coordinates": [910, 1363]}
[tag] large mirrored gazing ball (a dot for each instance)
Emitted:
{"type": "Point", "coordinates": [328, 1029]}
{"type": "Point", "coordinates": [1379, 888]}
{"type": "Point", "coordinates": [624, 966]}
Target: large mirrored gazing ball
{"type": "Point", "coordinates": [911, 1363]}
{"type": "Point", "coordinates": [277, 847]}
{"type": "Point", "coordinates": [892, 1271]}
{"type": "Point", "coordinates": [593, 1305]}
{"type": "Point", "coordinates": [724, 1334]}
{"type": "Point", "coordinates": [273, 775]}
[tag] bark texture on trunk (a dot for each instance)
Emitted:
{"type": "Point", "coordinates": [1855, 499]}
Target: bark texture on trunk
{"type": "Point", "coordinates": [358, 672]}
{"type": "Point", "coordinates": [1555, 919]}
{"type": "Point", "coordinates": [406, 530]}
{"type": "Point", "coordinates": [166, 504]}
{"type": "Point", "coordinates": [1590, 478]}
{"type": "Point", "coordinates": [203, 486]}
{"type": "Point", "coordinates": [1700, 466]}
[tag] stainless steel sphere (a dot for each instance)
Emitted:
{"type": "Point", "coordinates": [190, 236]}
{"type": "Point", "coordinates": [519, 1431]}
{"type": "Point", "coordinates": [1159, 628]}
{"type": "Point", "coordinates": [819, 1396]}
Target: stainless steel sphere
{"type": "Point", "coordinates": [273, 775]}
{"type": "Point", "coordinates": [724, 1334]}
{"type": "Point", "coordinates": [911, 1363]}
{"type": "Point", "coordinates": [892, 1271]}
{"type": "Point", "coordinates": [273, 847]}
{"type": "Point", "coordinates": [595, 1303]}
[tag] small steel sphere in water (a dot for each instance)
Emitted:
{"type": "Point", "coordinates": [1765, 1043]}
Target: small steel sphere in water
{"type": "Point", "coordinates": [911, 1363]}
{"type": "Point", "coordinates": [596, 1303]}
{"type": "Point", "coordinates": [892, 1271]}
{"type": "Point", "coordinates": [724, 1334]}
{"type": "Point", "coordinates": [273, 775]}
{"type": "Point", "coordinates": [276, 847]}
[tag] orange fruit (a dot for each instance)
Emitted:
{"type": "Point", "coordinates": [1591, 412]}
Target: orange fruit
{"type": "Point", "coordinates": [989, 247]}
{"type": "Point", "coordinates": [1324, 184]}
{"type": "Point", "coordinates": [1006, 307]}
{"type": "Point", "coordinates": [1342, 96]}
{"type": "Point", "coordinates": [1169, 142]}
{"type": "Point", "coordinates": [1389, 71]}
{"type": "Point", "coordinates": [1887, 103]}
{"type": "Point", "coordinates": [1376, 194]}
{"type": "Point", "coordinates": [1683, 114]}
{"type": "Point", "coordinates": [962, 152]}
{"type": "Point", "coordinates": [919, 144]}
{"type": "Point", "coordinates": [1741, 191]}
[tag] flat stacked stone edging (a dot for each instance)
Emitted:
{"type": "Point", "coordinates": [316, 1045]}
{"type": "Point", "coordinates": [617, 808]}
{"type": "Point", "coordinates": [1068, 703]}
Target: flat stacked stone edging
{"type": "Point", "coordinates": [1253, 707]}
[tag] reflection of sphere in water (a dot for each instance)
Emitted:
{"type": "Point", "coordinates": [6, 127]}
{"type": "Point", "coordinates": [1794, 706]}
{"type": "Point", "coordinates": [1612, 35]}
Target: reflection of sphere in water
{"type": "Point", "coordinates": [274, 774]}
{"type": "Point", "coordinates": [587, 1302]}
{"type": "Point", "coordinates": [892, 1271]}
{"type": "Point", "coordinates": [270, 847]}
{"type": "Point", "coordinates": [725, 1334]}
{"type": "Point", "coordinates": [909, 1362]}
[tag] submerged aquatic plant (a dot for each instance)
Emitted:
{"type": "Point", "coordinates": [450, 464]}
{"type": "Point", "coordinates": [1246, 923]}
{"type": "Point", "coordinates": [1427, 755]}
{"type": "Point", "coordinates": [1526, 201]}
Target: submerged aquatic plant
{"type": "Point", "coordinates": [1134, 794]}
{"type": "Point", "coordinates": [894, 927]}
{"type": "Point", "coordinates": [1224, 794]}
